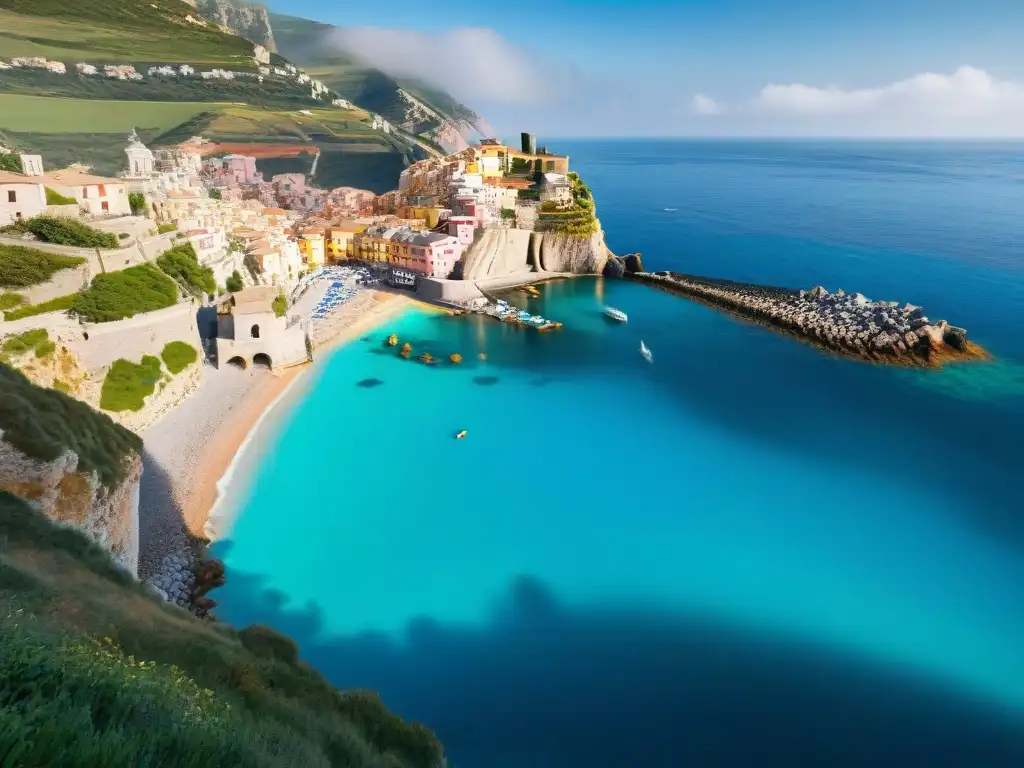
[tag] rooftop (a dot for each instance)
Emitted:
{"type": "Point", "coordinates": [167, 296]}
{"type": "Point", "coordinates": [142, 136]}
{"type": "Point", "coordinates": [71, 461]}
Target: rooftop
{"type": "Point", "coordinates": [250, 301]}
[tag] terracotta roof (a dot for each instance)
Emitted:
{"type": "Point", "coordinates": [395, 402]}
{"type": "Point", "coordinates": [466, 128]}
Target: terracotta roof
{"type": "Point", "coordinates": [7, 177]}
{"type": "Point", "coordinates": [274, 211]}
{"type": "Point", "coordinates": [250, 301]}
{"type": "Point", "coordinates": [69, 178]}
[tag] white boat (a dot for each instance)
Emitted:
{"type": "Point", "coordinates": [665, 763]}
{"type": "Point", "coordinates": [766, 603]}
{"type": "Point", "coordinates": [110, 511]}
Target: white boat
{"type": "Point", "coordinates": [616, 314]}
{"type": "Point", "coordinates": [646, 353]}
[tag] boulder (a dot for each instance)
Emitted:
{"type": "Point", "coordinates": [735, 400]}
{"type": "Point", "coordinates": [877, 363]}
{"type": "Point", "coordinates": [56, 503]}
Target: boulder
{"type": "Point", "coordinates": [614, 267]}
{"type": "Point", "coordinates": [840, 293]}
{"type": "Point", "coordinates": [633, 262]}
{"type": "Point", "coordinates": [860, 300]}
{"type": "Point", "coordinates": [956, 338]}
{"type": "Point", "coordinates": [818, 292]}
{"type": "Point", "coordinates": [882, 340]}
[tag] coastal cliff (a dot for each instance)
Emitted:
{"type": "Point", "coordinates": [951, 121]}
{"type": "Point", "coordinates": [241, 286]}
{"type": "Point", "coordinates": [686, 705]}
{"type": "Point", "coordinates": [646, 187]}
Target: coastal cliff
{"type": "Point", "coordinates": [72, 463]}
{"type": "Point", "coordinates": [848, 324]}
{"type": "Point", "coordinates": [247, 20]}
{"type": "Point", "coordinates": [556, 252]}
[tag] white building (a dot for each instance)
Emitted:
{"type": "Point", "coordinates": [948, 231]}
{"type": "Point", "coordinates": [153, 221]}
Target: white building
{"type": "Point", "coordinates": [261, 54]}
{"type": "Point", "coordinates": [186, 71]}
{"type": "Point", "coordinates": [96, 195]}
{"type": "Point", "coordinates": [21, 197]}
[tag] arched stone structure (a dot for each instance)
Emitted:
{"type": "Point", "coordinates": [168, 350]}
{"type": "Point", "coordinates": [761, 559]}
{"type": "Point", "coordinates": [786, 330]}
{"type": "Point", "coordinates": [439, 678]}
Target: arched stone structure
{"type": "Point", "coordinates": [262, 359]}
{"type": "Point", "coordinates": [254, 332]}
{"type": "Point", "coordinates": [239, 362]}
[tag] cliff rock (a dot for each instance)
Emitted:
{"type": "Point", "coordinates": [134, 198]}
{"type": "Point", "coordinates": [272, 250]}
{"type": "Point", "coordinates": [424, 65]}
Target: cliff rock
{"type": "Point", "coordinates": [555, 252]}
{"type": "Point", "coordinates": [66, 493]}
{"type": "Point", "coordinates": [72, 463]}
{"type": "Point", "coordinates": [243, 19]}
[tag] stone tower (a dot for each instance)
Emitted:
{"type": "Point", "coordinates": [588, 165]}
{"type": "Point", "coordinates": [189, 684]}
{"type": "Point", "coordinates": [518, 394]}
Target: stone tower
{"type": "Point", "coordinates": [140, 159]}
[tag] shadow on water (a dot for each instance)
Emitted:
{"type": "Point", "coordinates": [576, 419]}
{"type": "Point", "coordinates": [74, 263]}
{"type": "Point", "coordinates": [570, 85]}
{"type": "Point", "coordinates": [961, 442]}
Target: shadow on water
{"type": "Point", "coordinates": [542, 685]}
{"type": "Point", "coordinates": [369, 383]}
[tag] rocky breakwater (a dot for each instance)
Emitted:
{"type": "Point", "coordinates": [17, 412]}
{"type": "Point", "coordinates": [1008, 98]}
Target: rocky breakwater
{"type": "Point", "coordinates": [848, 324]}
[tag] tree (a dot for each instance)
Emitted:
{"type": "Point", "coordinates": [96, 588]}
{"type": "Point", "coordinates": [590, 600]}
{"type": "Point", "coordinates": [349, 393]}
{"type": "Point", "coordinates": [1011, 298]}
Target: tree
{"type": "Point", "coordinates": [215, 194]}
{"type": "Point", "coordinates": [234, 282]}
{"type": "Point", "coordinates": [137, 201]}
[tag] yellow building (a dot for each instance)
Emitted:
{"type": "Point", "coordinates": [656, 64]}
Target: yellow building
{"type": "Point", "coordinates": [339, 240]}
{"type": "Point", "coordinates": [311, 246]}
{"type": "Point", "coordinates": [431, 215]}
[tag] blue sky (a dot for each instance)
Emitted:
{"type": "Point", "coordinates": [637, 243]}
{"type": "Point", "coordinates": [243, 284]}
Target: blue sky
{"type": "Point", "coordinates": [688, 67]}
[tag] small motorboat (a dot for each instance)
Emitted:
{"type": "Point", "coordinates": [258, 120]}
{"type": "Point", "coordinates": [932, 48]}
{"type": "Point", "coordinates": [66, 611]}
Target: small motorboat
{"type": "Point", "coordinates": [616, 314]}
{"type": "Point", "coordinates": [461, 435]}
{"type": "Point", "coordinates": [646, 352]}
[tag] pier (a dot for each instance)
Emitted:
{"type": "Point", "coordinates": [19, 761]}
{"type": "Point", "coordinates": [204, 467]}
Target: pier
{"type": "Point", "coordinates": [851, 325]}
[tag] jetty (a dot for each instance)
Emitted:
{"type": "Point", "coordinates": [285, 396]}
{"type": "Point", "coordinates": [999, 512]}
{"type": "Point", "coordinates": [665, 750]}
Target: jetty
{"type": "Point", "coordinates": [851, 325]}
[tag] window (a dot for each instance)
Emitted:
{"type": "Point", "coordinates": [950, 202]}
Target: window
{"type": "Point", "coordinates": [106, 206]}
{"type": "Point", "coordinates": [12, 196]}
{"type": "Point", "coordinates": [103, 191]}
{"type": "Point", "coordinates": [255, 332]}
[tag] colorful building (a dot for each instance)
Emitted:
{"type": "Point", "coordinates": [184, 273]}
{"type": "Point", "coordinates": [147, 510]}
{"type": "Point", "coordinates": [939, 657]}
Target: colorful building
{"type": "Point", "coordinates": [433, 254]}
{"type": "Point", "coordinates": [339, 240]}
{"type": "Point", "coordinates": [311, 246]}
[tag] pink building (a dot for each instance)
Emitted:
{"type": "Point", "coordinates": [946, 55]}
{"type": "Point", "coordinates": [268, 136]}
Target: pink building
{"type": "Point", "coordinates": [438, 256]}
{"type": "Point", "coordinates": [462, 228]}
{"type": "Point", "coordinates": [241, 169]}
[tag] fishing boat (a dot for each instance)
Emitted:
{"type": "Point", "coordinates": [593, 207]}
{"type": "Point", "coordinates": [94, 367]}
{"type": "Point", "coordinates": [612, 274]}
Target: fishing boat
{"type": "Point", "coordinates": [616, 314]}
{"type": "Point", "coordinates": [461, 435]}
{"type": "Point", "coordinates": [646, 352]}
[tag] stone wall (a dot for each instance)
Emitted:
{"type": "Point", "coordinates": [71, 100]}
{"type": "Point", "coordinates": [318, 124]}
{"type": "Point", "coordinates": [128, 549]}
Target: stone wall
{"type": "Point", "coordinates": [134, 337]}
{"type": "Point", "coordinates": [168, 396]}
{"type": "Point", "coordinates": [109, 516]}
{"type": "Point", "coordinates": [61, 284]}
{"type": "Point", "coordinates": [112, 260]}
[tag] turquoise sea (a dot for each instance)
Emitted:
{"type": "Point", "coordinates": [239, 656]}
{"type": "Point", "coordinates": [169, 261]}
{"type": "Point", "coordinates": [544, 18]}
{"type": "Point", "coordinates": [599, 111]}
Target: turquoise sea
{"type": "Point", "coordinates": [746, 553]}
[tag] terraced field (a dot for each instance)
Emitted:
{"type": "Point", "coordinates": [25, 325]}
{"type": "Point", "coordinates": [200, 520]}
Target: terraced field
{"type": "Point", "coordinates": [38, 114]}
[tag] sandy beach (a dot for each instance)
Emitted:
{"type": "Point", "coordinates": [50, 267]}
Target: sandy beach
{"type": "Point", "coordinates": [187, 452]}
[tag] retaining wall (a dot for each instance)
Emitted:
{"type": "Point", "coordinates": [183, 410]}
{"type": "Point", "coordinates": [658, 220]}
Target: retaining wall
{"type": "Point", "coordinates": [136, 336]}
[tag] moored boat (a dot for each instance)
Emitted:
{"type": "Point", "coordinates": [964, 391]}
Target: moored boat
{"type": "Point", "coordinates": [616, 314]}
{"type": "Point", "coordinates": [646, 352]}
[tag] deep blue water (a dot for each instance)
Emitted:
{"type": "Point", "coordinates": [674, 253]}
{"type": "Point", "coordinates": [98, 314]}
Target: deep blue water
{"type": "Point", "coordinates": [747, 553]}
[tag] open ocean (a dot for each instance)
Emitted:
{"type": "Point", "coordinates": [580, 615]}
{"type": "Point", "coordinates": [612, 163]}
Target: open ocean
{"type": "Point", "coordinates": [747, 553]}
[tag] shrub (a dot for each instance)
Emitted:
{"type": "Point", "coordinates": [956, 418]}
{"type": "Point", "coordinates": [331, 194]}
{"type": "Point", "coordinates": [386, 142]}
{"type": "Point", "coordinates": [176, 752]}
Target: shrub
{"type": "Point", "coordinates": [265, 642]}
{"type": "Point", "coordinates": [280, 305]}
{"type": "Point", "coordinates": [549, 205]}
{"type": "Point", "coordinates": [178, 356]}
{"type": "Point", "coordinates": [45, 349]}
{"type": "Point", "coordinates": [54, 197]}
{"type": "Point", "coordinates": [21, 267]}
{"type": "Point", "coordinates": [10, 300]}
{"type": "Point", "coordinates": [181, 263]}
{"type": "Point", "coordinates": [60, 304]}
{"type": "Point", "coordinates": [234, 282]}
{"type": "Point", "coordinates": [123, 236]}
{"type": "Point", "coordinates": [127, 385]}
{"type": "Point", "coordinates": [23, 342]}
{"type": "Point", "coordinates": [10, 162]}
{"type": "Point", "coordinates": [163, 229]}
{"type": "Point", "coordinates": [529, 194]}
{"type": "Point", "coordinates": [508, 213]}
{"type": "Point", "coordinates": [62, 386]}
{"type": "Point", "coordinates": [137, 202]}
{"type": "Point", "coordinates": [70, 232]}
{"type": "Point", "coordinates": [117, 295]}
{"type": "Point", "coordinates": [215, 194]}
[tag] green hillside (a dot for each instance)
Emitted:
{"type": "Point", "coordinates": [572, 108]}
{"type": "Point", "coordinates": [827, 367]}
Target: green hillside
{"type": "Point", "coordinates": [97, 673]}
{"type": "Point", "coordinates": [307, 44]}
{"type": "Point", "coordinates": [154, 31]}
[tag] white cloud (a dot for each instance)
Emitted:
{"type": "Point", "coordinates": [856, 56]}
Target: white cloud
{"type": "Point", "coordinates": [966, 92]}
{"type": "Point", "coordinates": [705, 105]}
{"type": "Point", "coordinates": [475, 65]}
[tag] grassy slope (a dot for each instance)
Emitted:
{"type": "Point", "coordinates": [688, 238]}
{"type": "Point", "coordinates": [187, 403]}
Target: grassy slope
{"type": "Point", "coordinates": [97, 673]}
{"type": "Point", "coordinates": [116, 30]}
{"type": "Point", "coordinates": [38, 114]}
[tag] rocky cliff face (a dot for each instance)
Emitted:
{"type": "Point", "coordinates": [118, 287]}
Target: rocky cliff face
{"type": "Point", "coordinates": [68, 494]}
{"type": "Point", "coordinates": [553, 252]}
{"type": "Point", "coordinates": [243, 19]}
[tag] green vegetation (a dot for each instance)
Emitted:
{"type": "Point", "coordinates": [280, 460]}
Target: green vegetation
{"type": "Point", "coordinates": [215, 194]}
{"type": "Point", "coordinates": [163, 229]}
{"type": "Point", "coordinates": [99, 674]}
{"type": "Point", "coordinates": [60, 304]}
{"type": "Point", "coordinates": [152, 31]}
{"type": "Point", "coordinates": [56, 198]}
{"type": "Point", "coordinates": [41, 114]}
{"type": "Point", "coordinates": [117, 295]}
{"type": "Point", "coordinates": [23, 342]}
{"type": "Point", "coordinates": [21, 267]}
{"type": "Point", "coordinates": [127, 385]}
{"type": "Point", "coordinates": [182, 264]}
{"type": "Point", "coordinates": [178, 356]}
{"type": "Point", "coordinates": [137, 202]}
{"type": "Point", "coordinates": [280, 305]}
{"type": "Point", "coordinates": [43, 424]}
{"type": "Point", "coordinates": [69, 232]}
{"type": "Point", "coordinates": [62, 386]}
{"type": "Point", "coordinates": [508, 213]}
{"type": "Point", "coordinates": [234, 282]}
{"type": "Point", "coordinates": [10, 162]}
{"type": "Point", "coordinates": [10, 301]}
{"type": "Point", "coordinates": [529, 194]}
{"type": "Point", "coordinates": [45, 349]}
